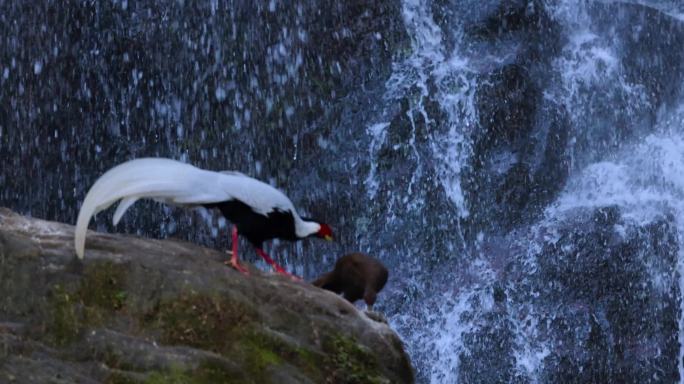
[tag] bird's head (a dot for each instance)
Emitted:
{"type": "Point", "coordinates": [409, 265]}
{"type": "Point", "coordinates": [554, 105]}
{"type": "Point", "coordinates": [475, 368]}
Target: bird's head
{"type": "Point", "coordinates": [309, 227]}
{"type": "Point", "coordinates": [325, 232]}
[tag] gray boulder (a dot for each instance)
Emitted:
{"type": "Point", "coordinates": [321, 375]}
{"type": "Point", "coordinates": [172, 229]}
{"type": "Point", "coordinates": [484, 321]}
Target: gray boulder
{"type": "Point", "coordinates": [148, 311]}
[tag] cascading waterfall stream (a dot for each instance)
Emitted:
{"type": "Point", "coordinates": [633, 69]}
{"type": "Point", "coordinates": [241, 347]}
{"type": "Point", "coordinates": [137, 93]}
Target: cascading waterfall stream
{"type": "Point", "coordinates": [431, 73]}
{"type": "Point", "coordinates": [430, 64]}
{"type": "Point", "coordinates": [591, 74]}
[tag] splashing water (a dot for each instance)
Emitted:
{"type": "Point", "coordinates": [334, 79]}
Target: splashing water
{"type": "Point", "coordinates": [608, 170]}
{"type": "Point", "coordinates": [454, 90]}
{"type": "Point", "coordinates": [432, 75]}
{"type": "Point", "coordinates": [592, 79]}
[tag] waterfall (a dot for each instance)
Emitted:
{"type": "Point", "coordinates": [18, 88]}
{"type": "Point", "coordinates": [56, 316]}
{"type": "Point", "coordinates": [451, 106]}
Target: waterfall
{"type": "Point", "coordinates": [619, 154]}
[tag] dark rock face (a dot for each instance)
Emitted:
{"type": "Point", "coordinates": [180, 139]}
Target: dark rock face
{"type": "Point", "coordinates": [604, 295]}
{"type": "Point", "coordinates": [520, 152]}
{"type": "Point", "coordinates": [489, 360]}
{"type": "Point", "coordinates": [507, 103]}
{"type": "Point", "coordinates": [144, 311]}
{"type": "Point", "coordinates": [621, 301]}
{"type": "Point", "coordinates": [654, 52]}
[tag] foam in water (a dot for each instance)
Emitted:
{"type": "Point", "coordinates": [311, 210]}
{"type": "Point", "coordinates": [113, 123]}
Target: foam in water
{"type": "Point", "coordinates": [377, 133]}
{"type": "Point", "coordinates": [642, 180]}
{"type": "Point", "coordinates": [440, 338]}
{"type": "Point", "coordinates": [431, 74]}
{"type": "Point", "coordinates": [593, 79]}
{"type": "Point", "coordinates": [591, 73]}
{"type": "Point", "coordinates": [429, 63]}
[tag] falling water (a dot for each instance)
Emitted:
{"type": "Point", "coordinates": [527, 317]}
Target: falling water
{"type": "Point", "coordinates": [617, 157]}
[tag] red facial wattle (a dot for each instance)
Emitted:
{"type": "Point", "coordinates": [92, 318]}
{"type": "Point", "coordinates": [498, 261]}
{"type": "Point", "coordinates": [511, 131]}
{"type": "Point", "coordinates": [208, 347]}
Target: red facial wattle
{"type": "Point", "coordinates": [325, 232]}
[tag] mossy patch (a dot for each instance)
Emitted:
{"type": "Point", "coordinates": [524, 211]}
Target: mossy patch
{"type": "Point", "coordinates": [115, 358]}
{"type": "Point", "coordinates": [211, 371]}
{"type": "Point", "coordinates": [198, 320]}
{"type": "Point", "coordinates": [263, 349]}
{"type": "Point", "coordinates": [208, 372]}
{"type": "Point", "coordinates": [66, 320]}
{"type": "Point", "coordinates": [257, 357]}
{"type": "Point", "coordinates": [100, 293]}
{"type": "Point", "coordinates": [221, 325]}
{"type": "Point", "coordinates": [230, 328]}
{"type": "Point", "coordinates": [173, 376]}
{"type": "Point", "coordinates": [103, 286]}
{"type": "Point", "coordinates": [350, 363]}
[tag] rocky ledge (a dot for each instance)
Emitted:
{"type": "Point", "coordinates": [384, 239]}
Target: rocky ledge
{"type": "Point", "coordinates": [151, 311]}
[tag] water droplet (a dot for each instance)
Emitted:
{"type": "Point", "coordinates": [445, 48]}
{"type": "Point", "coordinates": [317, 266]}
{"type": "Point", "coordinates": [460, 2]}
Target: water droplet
{"type": "Point", "coordinates": [220, 94]}
{"type": "Point", "coordinates": [37, 67]}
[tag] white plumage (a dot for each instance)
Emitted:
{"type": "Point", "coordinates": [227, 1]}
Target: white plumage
{"type": "Point", "coordinates": [177, 183]}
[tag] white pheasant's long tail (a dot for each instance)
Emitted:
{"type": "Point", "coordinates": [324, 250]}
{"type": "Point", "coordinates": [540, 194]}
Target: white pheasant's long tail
{"type": "Point", "coordinates": [160, 179]}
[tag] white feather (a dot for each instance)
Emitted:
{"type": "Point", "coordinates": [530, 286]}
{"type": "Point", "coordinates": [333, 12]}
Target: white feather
{"type": "Point", "coordinates": [177, 183]}
{"type": "Point", "coordinates": [122, 208]}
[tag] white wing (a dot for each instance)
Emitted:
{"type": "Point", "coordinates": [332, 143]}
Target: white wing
{"type": "Point", "coordinates": [172, 182]}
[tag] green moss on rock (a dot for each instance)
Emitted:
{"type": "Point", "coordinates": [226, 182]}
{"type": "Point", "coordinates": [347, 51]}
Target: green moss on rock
{"type": "Point", "coordinates": [210, 322]}
{"type": "Point", "coordinates": [208, 372]}
{"type": "Point", "coordinates": [198, 320]}
{"type": "Point", "coordinates": [211, 371]}
{"type": "Point", "coordinates": [227, 327]}
{"type": "Point", "coordinates": [103, 286]}
{"type": "Point", "coordinates": [173, 376]}
{"type": "Point", "coordinates": [258, 357]}
{"type": "Point", "coordinates": [100, 292]}
{"type": "Point", "coordinates": [66, 322]}
{"type": "Point", "coordinates": [264, 349]}
{"type": "Point", "coordinates": [350, 363]}
{"type": "Point", "coordinates": [120, 378]}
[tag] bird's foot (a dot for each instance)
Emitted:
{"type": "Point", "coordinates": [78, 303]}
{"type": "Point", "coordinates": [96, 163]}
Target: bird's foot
{"type": "Point", "coordinates": [235, 265]}
{"type": "Point", "coordinates": [233, 262]}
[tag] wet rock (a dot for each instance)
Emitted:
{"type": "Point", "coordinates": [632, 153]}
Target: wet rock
{"type": "Point", "coordinates": [611, 289]}
{"type": "Point", "coordinates": [598, 302]}
{"type": "Point", "coordinates": [524, 22]}
{"type": "Point", "coordinates": [517, 170]}
{"type": "Point", "coordinates": [488, 360]}
{"type": "Point", "coordinates": [509, 17]}
{"type": "Point", "coordinates": [520, 152]}
{"type": "Point", "coordinates": [507, 103]}
{"type": "Point", "coordinates": [627, 307]}
{"type": "Point", "coordinates": [144, 310]}
{"type": "Point", "coordinates": [653, 43]}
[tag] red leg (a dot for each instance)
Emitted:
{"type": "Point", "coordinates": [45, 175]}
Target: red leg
{"type": "Point", "coordinates": [234, 258]}
{"type": "Point", "coordinates": [280, 270]}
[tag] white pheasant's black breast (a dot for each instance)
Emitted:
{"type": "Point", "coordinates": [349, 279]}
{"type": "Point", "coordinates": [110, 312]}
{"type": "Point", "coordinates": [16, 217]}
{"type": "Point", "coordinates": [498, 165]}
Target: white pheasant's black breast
{"type": "Point", "coordinates": [257, 227]}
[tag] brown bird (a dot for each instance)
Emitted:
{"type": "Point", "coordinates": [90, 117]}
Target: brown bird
{"type": "Point", "coordinates": [356, 276]}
